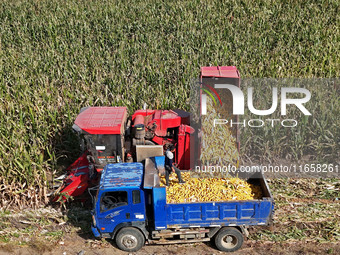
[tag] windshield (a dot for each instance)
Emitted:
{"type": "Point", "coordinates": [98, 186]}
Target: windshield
{"type": "Point", "coordinates": [113, 199]}
{"type": "Point", "coordinates": [105, 149]}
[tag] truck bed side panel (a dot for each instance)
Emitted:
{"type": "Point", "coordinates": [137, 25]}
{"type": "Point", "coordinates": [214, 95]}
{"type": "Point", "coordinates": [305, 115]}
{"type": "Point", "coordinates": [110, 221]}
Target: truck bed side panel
{"type": "Point", "coordinates": [159, 205]}
{"type": "Point", "coordinates": [205, 214]}
{"type": "Point", "coordinates": [254, 212]}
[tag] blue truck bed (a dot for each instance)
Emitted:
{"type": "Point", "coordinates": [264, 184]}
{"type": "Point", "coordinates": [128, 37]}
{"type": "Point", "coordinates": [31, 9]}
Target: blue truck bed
{"type": "Point", "coordinates": [209, 214]}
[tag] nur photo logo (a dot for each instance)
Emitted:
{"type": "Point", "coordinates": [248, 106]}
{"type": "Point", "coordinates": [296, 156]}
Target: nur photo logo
{"type": "Point", "coordinates": [288, 97]}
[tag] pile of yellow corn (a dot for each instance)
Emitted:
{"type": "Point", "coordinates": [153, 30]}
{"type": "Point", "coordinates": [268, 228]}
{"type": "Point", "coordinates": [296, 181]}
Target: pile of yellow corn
{"type": "Point", "coordinates": [209, 189]}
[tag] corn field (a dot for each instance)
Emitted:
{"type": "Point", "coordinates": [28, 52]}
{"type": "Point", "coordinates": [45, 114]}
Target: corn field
{"type": "Point", "coordinates": [59, 56]}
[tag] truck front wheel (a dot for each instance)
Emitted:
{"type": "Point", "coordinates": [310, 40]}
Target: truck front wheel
{"type": "Point", "coordinates": [130, 239]}
{"type": "Point", "coordinates": [228, 239]}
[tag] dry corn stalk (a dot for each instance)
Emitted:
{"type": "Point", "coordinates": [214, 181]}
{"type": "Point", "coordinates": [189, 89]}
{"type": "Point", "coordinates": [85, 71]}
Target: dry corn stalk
{"type": "Point", "coordinates": [17, 195]}
{"type": "Point", "coordinates": [209, 189]}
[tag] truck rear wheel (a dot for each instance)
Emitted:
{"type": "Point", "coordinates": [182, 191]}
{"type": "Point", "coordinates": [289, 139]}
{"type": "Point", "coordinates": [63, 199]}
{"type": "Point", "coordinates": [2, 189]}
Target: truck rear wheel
{"type": "Point", "coordinates": [130, 239]}
{"type": "Point", "coordinates": [228, 239]}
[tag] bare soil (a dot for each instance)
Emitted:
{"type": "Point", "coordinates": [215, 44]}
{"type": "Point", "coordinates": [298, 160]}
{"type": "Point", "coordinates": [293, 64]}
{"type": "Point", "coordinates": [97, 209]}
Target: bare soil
{"type": "Point", "coordinates": [74, 244]}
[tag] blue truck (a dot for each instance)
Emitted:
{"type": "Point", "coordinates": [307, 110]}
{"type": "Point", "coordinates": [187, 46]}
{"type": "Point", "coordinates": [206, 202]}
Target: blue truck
{"type": "Point", "coordinates": [130, 207]}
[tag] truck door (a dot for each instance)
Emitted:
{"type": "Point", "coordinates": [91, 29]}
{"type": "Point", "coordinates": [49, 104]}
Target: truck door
{"type": "Point", "coordinates": [114, 208]}
{"type": "Point", "coordinates": [138, 206]}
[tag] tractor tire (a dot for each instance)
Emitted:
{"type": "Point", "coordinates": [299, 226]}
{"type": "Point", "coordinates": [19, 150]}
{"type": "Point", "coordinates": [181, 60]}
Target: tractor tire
{"type": "Point", "coordinates": [229, 239]}
{"type": "Point", "coordinates": [130, 239]}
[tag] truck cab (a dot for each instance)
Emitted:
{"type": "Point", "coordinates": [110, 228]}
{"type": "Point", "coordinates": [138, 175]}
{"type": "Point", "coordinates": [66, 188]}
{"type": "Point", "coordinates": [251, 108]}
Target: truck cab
{"type": "Point", "coordinates": [120, 203]}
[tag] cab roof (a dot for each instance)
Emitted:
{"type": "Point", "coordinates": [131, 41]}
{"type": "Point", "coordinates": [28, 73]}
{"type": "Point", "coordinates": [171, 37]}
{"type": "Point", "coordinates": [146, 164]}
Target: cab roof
{"type": "Point", "coordinates": [101, 120]}
{"type": "Point", "coordinates": [122, 175]}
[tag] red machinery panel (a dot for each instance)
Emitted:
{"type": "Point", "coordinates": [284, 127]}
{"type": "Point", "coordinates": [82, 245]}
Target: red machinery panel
{"type": "Point", "coordinates": [162, 119]}
{"type": "Point", "coordinates": [102, 120]}
{"type": "Point", "coordinates": [220, 71]}
{"type": "Point", "coordinates": [183, 146]}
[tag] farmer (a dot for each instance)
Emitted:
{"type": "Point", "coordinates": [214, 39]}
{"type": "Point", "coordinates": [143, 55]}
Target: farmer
{"type": "Point", "coordinates": [170, 166]}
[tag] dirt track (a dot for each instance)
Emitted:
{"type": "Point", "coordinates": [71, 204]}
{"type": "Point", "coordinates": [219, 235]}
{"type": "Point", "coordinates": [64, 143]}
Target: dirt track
{"type": "Point", "coordinates": [74, 245]}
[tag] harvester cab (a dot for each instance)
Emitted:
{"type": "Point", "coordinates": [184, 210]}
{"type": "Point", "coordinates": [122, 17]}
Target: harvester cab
{"type": "Point", "coordinates": [102, 131]}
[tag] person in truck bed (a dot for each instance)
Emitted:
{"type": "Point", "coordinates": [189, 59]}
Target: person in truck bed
{"type": "Point", "coordinates": [170, 166]}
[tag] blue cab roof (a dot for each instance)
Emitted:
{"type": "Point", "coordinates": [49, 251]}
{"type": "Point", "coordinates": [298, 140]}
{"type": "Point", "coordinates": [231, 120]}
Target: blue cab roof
{"type": "Point", "coordinates": [120, 175]}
